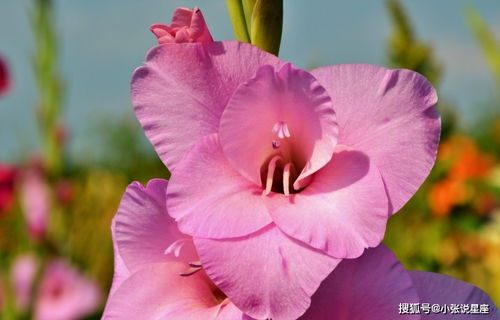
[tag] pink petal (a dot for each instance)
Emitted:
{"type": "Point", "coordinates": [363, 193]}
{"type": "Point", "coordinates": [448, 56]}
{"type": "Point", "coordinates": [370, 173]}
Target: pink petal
{"type": "Point", "coordinates": [290, 96]}
{"type": "Point", "coordinates": [441, 289]}
{"type": "Point", "coordinates": [186, 26]}
{"type": "Point", "coordinates": [369, 287]}
{"type": "Point", "coordinates": [158, 292]}
{"type": "Point", "coordinates": [121, 272]}
{"type": "Point", "coordinates": [181, 92]}
{"type": "Point", "coordinates": [209, 198]}
{"type": "Point", "coordinates": [198, 28]}
{"type": "Point", "coordinates": [182, 35]}
{"type": "Point", "coordinates": [343, 210]}
{"type": "Point", "coordinates": [181, 18]}
{"type": "Point", "coordinates": [389, 115]}
{"type": "Point", "coordinates": [265, 274]}
{"type": "Point", "coordinates": [143, 229]}
{"type": "Point", "coordinates": [163, 33]}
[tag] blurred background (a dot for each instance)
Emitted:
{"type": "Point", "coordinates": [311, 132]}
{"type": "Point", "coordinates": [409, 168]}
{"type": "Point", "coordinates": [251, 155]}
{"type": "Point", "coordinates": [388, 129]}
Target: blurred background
{"type": "Point", "coordinates": [69, 143]}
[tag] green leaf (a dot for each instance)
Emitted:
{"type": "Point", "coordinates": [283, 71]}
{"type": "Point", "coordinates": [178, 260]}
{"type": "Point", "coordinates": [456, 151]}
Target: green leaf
{"type": "Point", "coordinates": [237, 15]}
{"type": "Point", "coordinates": [486, 39]}
{"type": "Point", "coordinates": [267, 25]}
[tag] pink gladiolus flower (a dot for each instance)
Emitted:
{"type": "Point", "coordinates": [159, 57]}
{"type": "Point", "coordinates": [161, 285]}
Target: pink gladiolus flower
{"type": "Point", "coordinates": [7, 178]}
{"type": "Point", "coordinates": [186, 26]}
{"type": "Point", "coordinates": [157, 273]}
{"type": "Point", "coordinates": [35, 201]}
{"type": "Point", "coordinates": [376, 286]}
{"type": "Point", "coordinates": [63, 294]}
{"type": "Point", "coordinates": [4, 77]}
{"type": "Point", "coordinates": [280, 168]}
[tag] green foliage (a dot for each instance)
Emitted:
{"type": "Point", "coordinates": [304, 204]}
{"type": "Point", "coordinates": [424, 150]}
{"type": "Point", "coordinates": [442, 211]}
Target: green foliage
{"type": "Point", "coordinates": [118, 145]}
{"type": "Point", "coordinates": [49, 84]}
{"type": "Point", "coordinates": [259, 22]}
{"type": "Point", "coordinates": [486, 39]}
{"type": "Point", "coordinates": [267, 25]}
{"type": "Point", "coordinates": [237, 15]}
{"type": "Point", "coordinates": [405, 50]}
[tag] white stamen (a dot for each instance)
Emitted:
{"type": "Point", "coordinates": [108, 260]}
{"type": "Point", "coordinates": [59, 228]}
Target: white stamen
{"type": "Point", "coordinates": [281, 129]}
{"type": "Point", "coordinates": [270, 173]}
{"type": "Point", "coordinates": [175, 247]}
{"type": "Point", "coordinates": [286, 179]}
{"type": "Point", "coordinates": [286, 131]}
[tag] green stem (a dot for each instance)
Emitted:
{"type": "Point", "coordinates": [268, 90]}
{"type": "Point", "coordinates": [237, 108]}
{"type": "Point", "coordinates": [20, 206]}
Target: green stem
{"type": "Point", "coordinates": [486, 39]}
{"type": "Point", "coordinates": [48, 83]}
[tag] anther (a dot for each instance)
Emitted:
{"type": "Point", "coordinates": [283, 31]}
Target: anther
{"type": "Point", "coordinates": [190, 271]}
{"type": "Point", "coordinates": [276, 144]}
{"type": "Point", "coordinates": [195, 264]}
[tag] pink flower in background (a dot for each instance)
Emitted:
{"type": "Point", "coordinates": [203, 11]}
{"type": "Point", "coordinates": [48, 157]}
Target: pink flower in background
{"type": "Point", "coordinates": [24, 269]}
{"type": "Point", "coordinates": [157, 275]}
{"type": "Point", "coordinates": [186, 26]}
{"type": "Point", "coordinates": [4, 77]}
{"type": "Point", "coordinates": [65, 192]}
{"type": "Point", "coordinates": [35, 202]}
{"type": "Point", "coordinates": [7, 178]}
{"type": "Point", "coordinates": [280, 168]}
{"type": "Point", "coordinates": [63, 294]}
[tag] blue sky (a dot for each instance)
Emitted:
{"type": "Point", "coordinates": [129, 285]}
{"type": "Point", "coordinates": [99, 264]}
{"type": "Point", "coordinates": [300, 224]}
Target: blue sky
{"type": "Point", "coordinates": [103, 41]}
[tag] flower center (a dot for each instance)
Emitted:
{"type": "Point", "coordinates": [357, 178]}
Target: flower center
{"type": "Point", "coordinates": [280, 172]}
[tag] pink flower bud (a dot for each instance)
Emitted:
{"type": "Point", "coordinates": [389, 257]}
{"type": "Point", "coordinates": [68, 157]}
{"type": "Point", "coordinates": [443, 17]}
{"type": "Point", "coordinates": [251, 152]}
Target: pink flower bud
{"type": "Point", "coordinates": [186, 26]}
{"type": "Point", "coordinates": [4, 77]}
{"type": "Point", "coordinates": [7, 177]}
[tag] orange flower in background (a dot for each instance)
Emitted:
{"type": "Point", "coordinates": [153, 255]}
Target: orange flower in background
{"type": "Point", "coordinates": [466, 163]}
{"type": "Point", "coordinates": [445, 194]}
